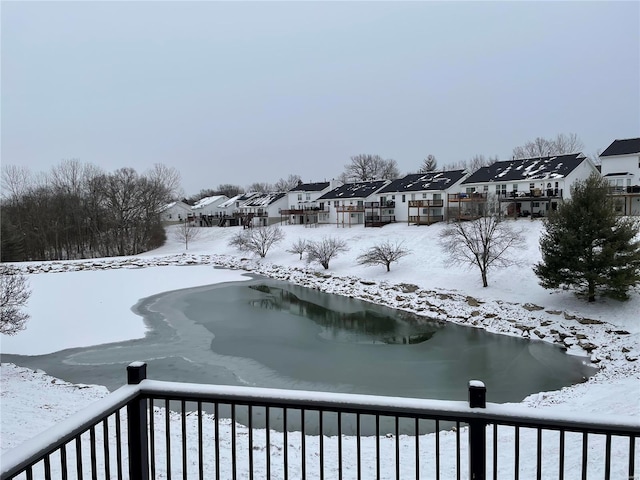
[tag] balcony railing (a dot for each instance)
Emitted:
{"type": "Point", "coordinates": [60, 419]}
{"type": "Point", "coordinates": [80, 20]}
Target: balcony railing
{"type": "Point", "coordinates": [385, 204]}
{"type": "Point", "coordinates": [533, 194]}
{"type": "Point", "coordinates": [426, 203]}
{"type": "Point", "coordinates": [350, 208]}
{"type": "Point", "coordinates": [154, 429]}
{"type": "Point", "coordinates": [631, 189]}
{"type": "Point", "coordinates": [467, 197]}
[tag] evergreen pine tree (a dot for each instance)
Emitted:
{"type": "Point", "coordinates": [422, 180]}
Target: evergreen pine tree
{"type": "Point", "coordinates": [587, 247]}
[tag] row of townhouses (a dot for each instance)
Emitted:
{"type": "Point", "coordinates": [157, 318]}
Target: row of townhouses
{"type": "Point", "coordinates": [523, 187]}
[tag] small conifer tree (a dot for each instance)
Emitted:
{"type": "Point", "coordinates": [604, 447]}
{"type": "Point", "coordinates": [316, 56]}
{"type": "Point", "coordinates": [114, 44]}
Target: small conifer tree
{"type": "Point", "coordinates": [587, 247]}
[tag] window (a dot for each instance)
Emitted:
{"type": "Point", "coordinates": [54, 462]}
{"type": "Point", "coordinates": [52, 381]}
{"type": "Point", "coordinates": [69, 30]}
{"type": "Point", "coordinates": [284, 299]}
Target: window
{"type": "Point", "coordinates": [485, 188]}
{"type": "Point", "coordinates": [424, 195]}
{"type": "Point", "coordinates": [437, 196]}
{"type": "Point", "coordinates": [308, 196]}
{"type": "Point", "coordinates": [299, 197]}
{"type": "Point", "coordinates": [532, 186]}
{"type": "Point", "coordinates": [404, 198]}
{"type": "Point", "coordinates": [471, 190]}
{"type": "Point", "coordinates": [515, 187]}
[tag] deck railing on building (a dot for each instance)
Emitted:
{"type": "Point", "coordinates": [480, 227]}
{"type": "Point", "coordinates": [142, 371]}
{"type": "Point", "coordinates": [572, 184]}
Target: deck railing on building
{"type": "Point", "coordinates": [155, 429]}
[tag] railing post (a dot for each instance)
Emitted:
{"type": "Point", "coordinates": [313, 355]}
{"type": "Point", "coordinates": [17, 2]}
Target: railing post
{"type": "Point", "coordinates": [477, 433]}
{"type": "Point", "coordinates": [137, 426]}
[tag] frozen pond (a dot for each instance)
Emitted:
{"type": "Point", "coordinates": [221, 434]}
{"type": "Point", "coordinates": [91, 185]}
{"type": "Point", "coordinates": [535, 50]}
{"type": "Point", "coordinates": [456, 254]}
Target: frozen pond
{"type": "Point", "coordinates": [273, 334]}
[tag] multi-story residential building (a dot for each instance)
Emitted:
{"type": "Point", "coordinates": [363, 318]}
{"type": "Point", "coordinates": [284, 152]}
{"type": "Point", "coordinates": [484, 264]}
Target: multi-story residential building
{"type": "Point", "coordinates": [620, 164]}
{"type": "Point", "coordinates": [420, 198]}
{"type": "Point", "coordinates": [303, 205]}
{"type": "Point", "coordinates": [345, 205]}
{"type": "Point", "coordinates": [530, 186]}
{"type": "Point", "coordinates": [175, 212]}
{"type": "Point", "coordinates": [263, 209]}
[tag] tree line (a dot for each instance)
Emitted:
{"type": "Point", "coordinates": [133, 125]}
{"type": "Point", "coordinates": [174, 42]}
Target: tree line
{"type": "Point", "coordinates": [79, 211]}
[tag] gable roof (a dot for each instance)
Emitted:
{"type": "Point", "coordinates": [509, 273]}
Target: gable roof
{"type": "Point", "coordinates": [203, 202]}
{"type": "Point", "coordinates": [263, 199]}
{"type": "Point", "coordinates": [628, 146]}
{"type": "Point", "coordinates": [233, 200]}
{"type": "Point", "coordinates": [310, 187]}
{"type": "Point", "coordinates": [173, 204]}
{"type": "Point", "coordinates": [354, 190]}
{"type": "Point", "coordinates": [538, 168]}
{"type": "Point", "coordinates": [424, 181]}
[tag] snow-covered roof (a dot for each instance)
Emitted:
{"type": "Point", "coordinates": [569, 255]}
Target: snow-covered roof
{"type": "Point", "coordinates": [425, 181]}
{"type": "Point", "coordinates": [238, 198]}
{"type": "Point", "coordinates": [173, 204]}
{"type": "Point", "coordinates": [168, 206]}
{"type": "Point", "coordinates": [355, 190]}
{"type": "Point", "coordinates": [540, 168]}
{"type": "Point", "coordinates": [263, 199]}
{"type": "Point", "coordinates": [203, 202]}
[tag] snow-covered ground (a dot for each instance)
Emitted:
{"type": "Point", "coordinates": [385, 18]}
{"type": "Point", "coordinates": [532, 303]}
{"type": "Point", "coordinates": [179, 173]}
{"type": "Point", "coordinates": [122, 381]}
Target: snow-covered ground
{"type": "Point", "coordinates": [98, 296]}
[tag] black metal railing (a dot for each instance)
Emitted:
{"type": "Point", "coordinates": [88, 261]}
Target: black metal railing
{"type": "Point", "coordinates": [154, 429]}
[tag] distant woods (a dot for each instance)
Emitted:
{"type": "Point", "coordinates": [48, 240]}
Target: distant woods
{"type": "Point", "coordinates": [79, 211]}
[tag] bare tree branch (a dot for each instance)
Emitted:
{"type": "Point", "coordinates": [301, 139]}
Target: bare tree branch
{"type": "Point", "coordinates": [544, 147]}
{"type": "Point", "coordinates": [284, 185]}
{"type": "Point", "coordinates": [298, 247]}
{"type": "Point", "coordinates": [484, 243]}
{"type": "Point", "coordinates": [257, 240]}
{"type": "Point", "coordinates": [384, 253]}
{"type": "Point", "coordinates": [322, 251]}
{"type": "Point", "coordinates": [14, 294]}
{"type": "Point", "coordinates": [366, 167]}
{"type": "Point", "coordinates": [186, 232]}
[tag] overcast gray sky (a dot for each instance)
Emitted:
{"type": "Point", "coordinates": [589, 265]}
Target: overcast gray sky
{"type": "Point", "coordinates": [240, 92]}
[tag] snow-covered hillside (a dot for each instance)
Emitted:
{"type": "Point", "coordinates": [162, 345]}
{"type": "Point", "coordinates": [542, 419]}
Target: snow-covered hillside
{"type": "Point", "coordinates": [101, 292]}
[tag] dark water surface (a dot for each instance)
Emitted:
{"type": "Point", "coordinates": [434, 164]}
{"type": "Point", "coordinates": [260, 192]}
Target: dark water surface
{"type": "Point", "coordinates": [273, 334]}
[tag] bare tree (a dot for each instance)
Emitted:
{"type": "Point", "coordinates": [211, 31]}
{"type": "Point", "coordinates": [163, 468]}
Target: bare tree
{"type": "Point", "coordinates": [284, 185]}
{"type": "Point", "coordinates": [14, 294]}
{"type": "Point", "coordinates": [166, 180]}
{"type": "Point", "coordinates": [544, 147]}
{"type": "Point", "coordinates": [186, 232]}
{"type": "Point", "coordinates": [229, 190]}
{"type": "Point", "coordinates": [260, 187]}
{"type": "Point", "coordinates": [366, 167]}
{"type": "Point", "coordinates": [383, 253]}
{"type": "Point", "coordinates": [298, 247]}
{"type": "Point", "coordinates": [15, 182]}
{"type": "Point", "coordinates": [388, 170]}
{"type": "Point", "coordinates": [474, 163]}
{"type": "Point", "coordinates": [485, 243]}
{"type": "Point", "coordinates": [322, 251]}
{"type": "Point", "coordinates": [429, 164]}
{"type": "Point", "coordinates": [203, 193]}
{"type": "Point", "coordinates": [257, 240]}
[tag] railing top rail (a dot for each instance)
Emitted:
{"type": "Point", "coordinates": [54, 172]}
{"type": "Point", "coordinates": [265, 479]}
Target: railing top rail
{"type": "Point", "coordinates": [401, 406]}
{"type": "Point", "coordinates": [16, 459]}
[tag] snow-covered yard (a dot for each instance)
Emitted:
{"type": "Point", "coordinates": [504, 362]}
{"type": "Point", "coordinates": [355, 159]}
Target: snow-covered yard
{"type": "Point", "coordinates": [98, 296]}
